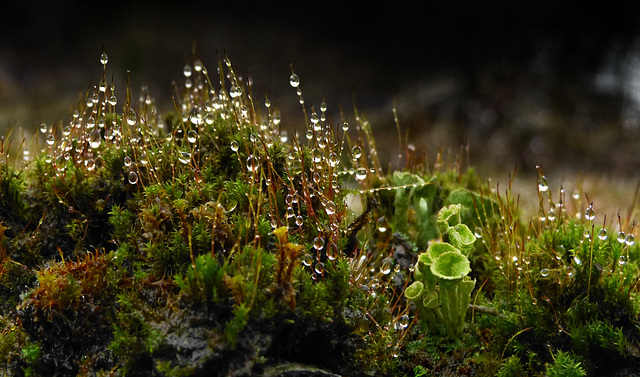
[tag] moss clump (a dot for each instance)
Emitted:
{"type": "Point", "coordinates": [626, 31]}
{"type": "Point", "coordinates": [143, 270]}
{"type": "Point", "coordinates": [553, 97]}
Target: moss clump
{"type": "Point", "coordinates": [207, 241]}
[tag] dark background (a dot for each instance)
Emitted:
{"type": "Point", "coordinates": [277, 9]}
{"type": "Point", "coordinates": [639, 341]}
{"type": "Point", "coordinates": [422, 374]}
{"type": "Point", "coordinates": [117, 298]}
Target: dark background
{"type": "Point", "coordinates": [551, 82]}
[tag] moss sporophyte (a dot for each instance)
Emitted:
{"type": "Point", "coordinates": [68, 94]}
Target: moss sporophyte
{"type": "Point", "coordinates": [214, 240]}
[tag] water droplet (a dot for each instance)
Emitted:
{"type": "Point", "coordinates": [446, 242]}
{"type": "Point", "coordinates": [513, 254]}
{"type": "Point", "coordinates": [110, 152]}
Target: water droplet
{"type": "Point", "coordinates": [385, 267]}
{"type": "Point", "coordinates": [622, 260]}
{"type": "Point", "coordinates": [252, 163]}
{"type": "Point", "coordinates": [95, 138]}
{"type": "Point", "coordinates": [294, 80]}
{"type": "Point", "coordinates": [403, 321]}
{"type": "Point", "coordinates": [299, 220]}
{"type": "Point", "coordinates": [589, 213]}
{"type": "Point", "coordinates": [577, 260]}
{"type": "Point", "coordinates": [330, 208]}
{"type": "Point", "coordinates": [630, 240]}
{"type": "Point", "coordinates": [318, 243]}
{"type": "Point", "coordinates": [543, 184]}
{"type": "Point", "coordinates": [307, 260]}
{"type": "Point", "coordinates": [345, 126]}
{"type": "Point", "coordinates": [314, 118]}
{"type": "Point", "coordinates": [576, 195]}
{"type": "Point", "coordinates": [395, 351]}
{"type": "Point", "coordinates": [198, 65]}
{"type": "Point", "coordinates": [51, 139]}
{"type": "Point", "coordinates": [104, 59]}
{"type": "Point", "coordinates": [382, 224]}
{"type": "Point", "coordinates": [103, 86]}
{"type": "Point", "coordinates": [319, 268]}
{"type": "Point", "coordinates": [551, 215]}
{"type": "Point", "coordinates": [332, 252]}
{"type": "Point", "coordinates": [127, 161]}
{"type": "Point", "coordinates": [356, 152]}
{"type": "Point", "coordinates": [235, 91]}
{"type": "Point", "coordinates": [192, 136]}
{"type": "Point", "coordinates": [323, 106]}
{"type": "Point", "coordinates": [621, 237]}
{"type": "Point", "coordinates": [361, 173]}
{"type": "Point", "coordinates": [602, 234]}
{"type": "Point", "coordinates": [43, 128]}
{"type": "Point", "coordinates": [113, 100]}
{"type": "Point", "coordinates": [90, 164]}
{"type": "Point", "coordinates": [187, 71]}
{"type": "Point", "coordinates": [478, 232]}
{"type": "Point", "coordinates": [544, 272]}
{"type": "Point", "coordinates": [184, 157]}
{"type": "Point", "coordinates": [234, 145]}
{"type": "Point", "coordinates": [133, 177]}
{"type": "Point", "coordinates": [284, 136]}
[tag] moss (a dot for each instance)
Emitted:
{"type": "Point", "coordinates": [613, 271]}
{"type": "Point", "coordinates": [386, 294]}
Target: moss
{"type": "Point", "coordinates": [207, 240]}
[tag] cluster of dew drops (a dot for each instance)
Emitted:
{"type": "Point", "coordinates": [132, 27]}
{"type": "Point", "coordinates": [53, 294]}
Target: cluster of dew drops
{"type": "Point", "coordinates": [625, 240]}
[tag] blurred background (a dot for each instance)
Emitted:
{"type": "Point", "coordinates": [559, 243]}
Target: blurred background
{"type": "Point", "coordinates": [549, 82]}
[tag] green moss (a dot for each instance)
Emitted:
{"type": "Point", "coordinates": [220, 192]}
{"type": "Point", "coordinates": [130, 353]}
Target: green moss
{"type": "Point", "coordinates": [215, 243]}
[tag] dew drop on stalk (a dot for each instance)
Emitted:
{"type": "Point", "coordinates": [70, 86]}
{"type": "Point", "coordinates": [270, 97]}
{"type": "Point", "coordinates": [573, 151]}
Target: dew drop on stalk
{"type": "Point", "coordinates": [544, 272]}
{"type": "Point", "coordinates": [133, 177]}
{"type": "Point", "coordinates": [395, 351]}
{"type": "Point", "coordinates": [104, 59]}
{"type": "Point", "coordinates": [90, 164]}
{"type": "Point", "coordinates": [332, 252]}
{"type": "Point", "coordinates": [319, 268]}
{"type": "Point", "coordinates": [51, 139]}
{"type": "Point", "coordinates": [589, 213]}
{"type": "Point", "coordinates": [576, 195]}
{"type": "Point", "coordinates": [43, 128]}
{"type": "Point", "coordinates": [385, 267]}
{"type": "Point", "coordinates": [403, 321]}
{"type": "Point", "coordinates": [382, 224]}
{"type": "Point", "coordinates": [234, 146]}
{"type": "Point", "coordinates": [361, 173]}
{"type": "Point", "coordinates": [95, 138]}
{"type": "Point", "coordinates": [252, 163]}
{"type": "Point", "coordinates": [187, 71]}
{"type": "Point", "coordinates": [314, 118]}
{"type": "Point", "coordinates": [621, 237]}
{"type": "Point", "coordinates": [113, 100]}
{"type": "Point", "coordinates": [309, 134]}
{"type": "Point", "coordinates": [127, 161]}
{"type": "Point", "coordinates": [323, 106]}
{"type": "Point", "coordinates": [630, 240]}
{"type": "Point", "coordinates": [192, 136]}
{"type": "Point", "coordinates": [276, 120]}
{"type": "Point", "coordinates": [622, 260]}
{"type": "Point", "coordinates": [551, 215]}
{"type": "Point", "coordinates": [356, 152]}
{"type": "Point", "coordinates": [602, 234]}
{"type": "Point", "coordinates": [184, 157]}
{"type": "Point", "coordinates": [577, 260]}
{"type": "Point", "coordinates": [294, 80]}
{"type": "Point", "coordinates": [318, 243]}
{"type": "Point", "coordinates": [543, 184]}
{"type": "Point", "coordinates": [284, 136]}
{"type": "Point", "coordinates": [235, 91]}
{"type": "Point", "coordinates": [307, 260]}
{"type": "Point", "coordinates": [330, 208]}
{"type": "Point", "coordinates": [198, 65]}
